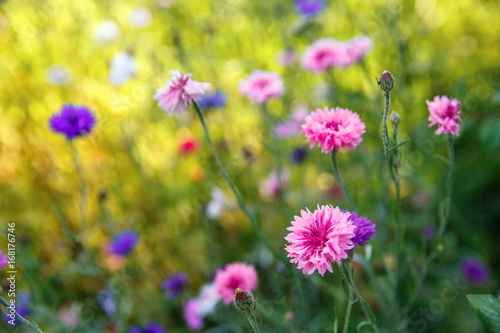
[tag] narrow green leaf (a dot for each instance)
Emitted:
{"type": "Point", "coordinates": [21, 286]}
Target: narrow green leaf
{"type": "Point", "coordinates": [398, 145]}
{"type": "Point", "coordinates": [488, 310]}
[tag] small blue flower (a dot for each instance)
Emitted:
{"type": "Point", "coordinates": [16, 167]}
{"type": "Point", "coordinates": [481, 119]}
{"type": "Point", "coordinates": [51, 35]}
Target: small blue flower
{"type": "Point", "coordinates": [22, 307]}
{"type": "Point", "coordinates": [298, 155]}
{"type": "Point", "coordinates": [475, 271]}
{"type": "Point", "coordinates": [174, 285]}
{"type": "Point", "coordinates": [107, 302]}
{"type": "Point", "coordinates": [73, 121]}
{"type": "Point", "coordinates": [124, 242]}
{"type": "Point", "coordinates": [309, 8]}
{"type": "Point", "coordinates": [213, 100]}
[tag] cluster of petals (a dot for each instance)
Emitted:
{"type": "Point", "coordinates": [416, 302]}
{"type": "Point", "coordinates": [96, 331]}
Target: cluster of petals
{"type": "Point", "coordinates": [276, 181]}
{"type": "Point", "coordinates": [233, 276]}
{"type": "Point", "coordinates": [292, 126]}
{"type": "Point", "coordinates": [318, 239]}
{"type": "Point", "coordinates": [195, 309]}
{"type": "Point", "coordinates": [260, 86]}
{"type": "Point", "coordinates": [179, 92]}
{"type": "Point", "coordinates": [332, 129]}
{"type": "Point", "coordinates": [446, 114]}
{"type": "Point", "coordinates": [329, 53]}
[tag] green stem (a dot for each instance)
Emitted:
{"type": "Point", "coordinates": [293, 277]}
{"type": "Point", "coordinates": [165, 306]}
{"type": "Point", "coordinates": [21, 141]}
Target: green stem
{"type": "Point", "coordinates": [367, 310]}
{"type": "Point", "coordinates": [252, 320]}
{"type": "Point", "coordinates": [350, 301]}
{"type": "Point", "coordinates": [25, 321]}
{"type": "Point", "coordinates": [339, 179]}
{"type": "Point", "coordinates": [83, 187]}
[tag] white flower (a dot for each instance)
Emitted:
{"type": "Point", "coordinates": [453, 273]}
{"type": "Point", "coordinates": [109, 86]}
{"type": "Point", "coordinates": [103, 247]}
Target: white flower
{"type": "Point", "coordinates": [207, 300]}
{"type": "Point", "coordinates": [217, 205]}
{"type": "Point", "coordinates": [57, 75]}
{"type": "Point", "coordinates": [140, 18]}
{"type": "Point", "coordinates": [106, 32]}
{"type": "Point", "coordinates": [122, 68]}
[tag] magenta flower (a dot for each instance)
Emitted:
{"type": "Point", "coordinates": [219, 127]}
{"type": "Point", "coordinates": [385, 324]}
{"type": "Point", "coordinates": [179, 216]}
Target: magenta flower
{"type": "Point", "coordinates": [272, 185]}
{"type": "Point", "coordinates": [332, 129]}
{"type": "Point", "coordinates": [445, 113]}
{"type": "Point", "coordinates": [325, 54]}
{"type": "Point", "coordinates": [260, 86]}
{"type": "Point", "coordinates": [179, 91]}
{"type": "Point", "coordinates": [320, 238]}
{"type": "Point", "coordinates": [233, 276]}
{"type": "Point", "coordinates": [4, 259]}
{"type": "Point", "coordinates": [357, 48]}
{"type": "Point", "coordinates": [292, 126]}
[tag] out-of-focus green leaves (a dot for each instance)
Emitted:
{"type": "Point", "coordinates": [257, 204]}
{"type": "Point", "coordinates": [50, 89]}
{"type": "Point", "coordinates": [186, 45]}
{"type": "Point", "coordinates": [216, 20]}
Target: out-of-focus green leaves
{"type": "Point", "coordinates": [490, 133]}
{"type": "Point", "coordinates": [488, 310]}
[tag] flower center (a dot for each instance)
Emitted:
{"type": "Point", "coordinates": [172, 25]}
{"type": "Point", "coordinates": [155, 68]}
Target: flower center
{"type": "Point", "coordinates": [317, 237]}
{"type": "Point", "coordinates": [73, 120]}
{"type": "Point", "coordinates": [261, 84]}
{"type": "Point", "coordinates": [333, 125]}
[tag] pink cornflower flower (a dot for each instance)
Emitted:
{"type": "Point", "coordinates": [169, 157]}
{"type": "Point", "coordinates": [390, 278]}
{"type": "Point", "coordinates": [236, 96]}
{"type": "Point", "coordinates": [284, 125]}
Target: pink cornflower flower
{"type": "Point", "coordinates": [4, 259]}
{"type": "Point", "coordinates": [260, 86]}
{"type": "Point", "coordinates": [445, 113]}
{"type": "Point", "coordinates": [192, 316]}
{"type": "Point", "coordinates": [188, 145]}
{"type": "Point", "coordinates": [233, 276]}
{"type": "Point", "coordinates": [320, 238]}
{"type": "Point", "coordinates": [325, 54]}
{"type": "Point", "coordinates": [292, 126]}
{"type": "Point", "coordinates": [357, 48]}
{"type": "Point", "coordinates": [332, 129]}
{"type": "Point", "coordinates": [179, 91]}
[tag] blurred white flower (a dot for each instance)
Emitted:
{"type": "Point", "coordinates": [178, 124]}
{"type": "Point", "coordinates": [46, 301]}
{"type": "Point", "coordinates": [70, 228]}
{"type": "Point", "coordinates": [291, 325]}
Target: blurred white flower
{"type": "Point", "coordinates": [122, 68]}
{"type": "Point", "coordinates": [106, 32]}
{"type": "Point", "coordinates": [273, 184]}
{"type": "Point", "coordinates": [140, 18]}
{"type": "Point", "coordinates": [57, 75]}
{"type": "Point", "coordinates": [207, 300]}
{"type": "Point", "coordinates": [218, 203]}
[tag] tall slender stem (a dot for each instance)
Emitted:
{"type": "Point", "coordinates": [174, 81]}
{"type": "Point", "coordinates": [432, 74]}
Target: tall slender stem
{"type": "Point", "coordinates": [350, 301]}
{"type": "Point", "coordinates": [339, 179]}
{"type": "Point", "coordinates": [367, 310]}
{"type": "Point", "coordinates": [252, 320]}
{"type": "Point", "coordinates": [83, 187]}
{"type": "Point", "coordinates": [25, 321]}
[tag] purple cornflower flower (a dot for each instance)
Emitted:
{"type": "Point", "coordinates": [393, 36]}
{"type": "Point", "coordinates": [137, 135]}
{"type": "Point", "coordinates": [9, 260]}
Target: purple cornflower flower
{"type": "Point", "coordinates": [213, 100]}
{"type": "Point", "coordinates": [4, 259]}
{"type": "Point", "coordinates": [475, 271]}
{"type": "Point", "coordinates": [73, 121]}
{"type": "Point", "coordinates": [153, 327]}
{"type": "Point", "coordinates": [365, 229]}
{"type": "Point", "coordinates": [124, 242]}
{"type": "Point", "coordinates": [298, 155]}
{"type": "Point", "coordinates": [174, 285]}
{"type": "Point", "coordinates": [309, 8]}
{"type": "Point", "coordinates": [107, 302]}
{"type": "Point", "coordinates": [22, 307]}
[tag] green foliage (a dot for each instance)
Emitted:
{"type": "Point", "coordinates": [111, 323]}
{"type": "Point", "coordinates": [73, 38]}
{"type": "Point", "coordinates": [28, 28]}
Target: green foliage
{"type": "Point", "coordinates": [488, 310]}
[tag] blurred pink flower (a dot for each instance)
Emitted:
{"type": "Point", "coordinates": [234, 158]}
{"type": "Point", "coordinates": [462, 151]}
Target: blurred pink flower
{"type": "Point", "coordinates": [271, 187]}
{"type": "Point", "coordinates": [188, 145]}
{"type": "Point", "coordinates": [293, 126]}
{"type": "Point", "coordinates": [357, 48]}
{"type": "Point", "coordinates": [192, 316]}
{"type": "Point", "coordinates": [235, 275]}
{"type": "Point", "coordinates": [332, 129]}
{"type": "Point", "coordinates": [260, 86]}
{"type": "Point", "coordinates": [4, 259]}
{"type": "Point", "coordinates": [320, 238]}
{"type": "Point", "coordinates": [286, 57]}
{"type": "Point", "coordinates": [324, 54]}
{"type": "Point", "coordinates": [179, 91]}
{"type": "Point", "coordinates": [445, 113]}
{"type": "Point", "coordinates": [69, 315]}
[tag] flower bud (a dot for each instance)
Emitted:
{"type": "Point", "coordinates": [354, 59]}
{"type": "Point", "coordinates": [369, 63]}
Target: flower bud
{"type": "Point", "coordinates": [243, 300]}
{"type": "Point", "coordinates": [394, 118]}
{"type": "Point", "coordinates": [386, 81]}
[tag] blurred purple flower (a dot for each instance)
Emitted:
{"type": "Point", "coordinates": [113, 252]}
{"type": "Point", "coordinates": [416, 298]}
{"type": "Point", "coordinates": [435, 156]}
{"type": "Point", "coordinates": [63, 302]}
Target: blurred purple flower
{"type": "Point", "coordinates": [292, 126]}
{"type": "Point", "coordinates": [153, 327]}
{"type": "Point", "coordinates": [213, 100]}
{"type": "Point", "coordinates": [298, 155]}
{"type": "Point", "coordinates": [429, 233]}
{"type": "Point", "coordinates": [192, 315]}
{"type": "Point", "coordinates": [364, 231]}
{"type": "Point", "coordinates": [4, 259]}
{"type": "Point", "coordinates": [309, 8]}
{"type": "Point", "coordinates": [174, 285]}
{"type": "Point", "coordinates": [124, 242]}
{"type": "Point", "coordinates": [22, 307]}
{"type": "Point", "coordinates": [72, 121]}
{"type": "Point", "coordinates": [475, 271]}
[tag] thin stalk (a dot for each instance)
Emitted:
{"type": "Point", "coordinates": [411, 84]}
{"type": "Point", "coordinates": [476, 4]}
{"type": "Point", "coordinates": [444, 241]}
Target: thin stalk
{"type": "Point", "coordinates": [350, 301]}
{"type": "Point", "coordinates": [252, 320]}
{"type": "Point", "coordinates": [367, 310]}
{"type": "Point", "coordinates": [438, 246]}
{"type": "Point", "coordinates": [25, 321]}
{"type": "Point", "coordinates": [83, 187]}
{"type": "Point", "coordinates": [339, 179]}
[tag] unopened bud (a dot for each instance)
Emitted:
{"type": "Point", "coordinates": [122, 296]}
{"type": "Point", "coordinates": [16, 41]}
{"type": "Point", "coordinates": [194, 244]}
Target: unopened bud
{"type": "Point", "coordinates": [386, 81]}
{"type": "Point", "coordinates": [394, 118]}
{"type": "Point", "coordinates": [243, 300]}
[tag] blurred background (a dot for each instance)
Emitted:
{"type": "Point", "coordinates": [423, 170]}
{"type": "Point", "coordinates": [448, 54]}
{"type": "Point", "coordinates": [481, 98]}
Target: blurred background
{"type": "Point", "coordinates": [156, 175]}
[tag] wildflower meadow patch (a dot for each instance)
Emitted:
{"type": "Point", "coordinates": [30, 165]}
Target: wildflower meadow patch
{"type": "Point", "coordinates": [249, 166]}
